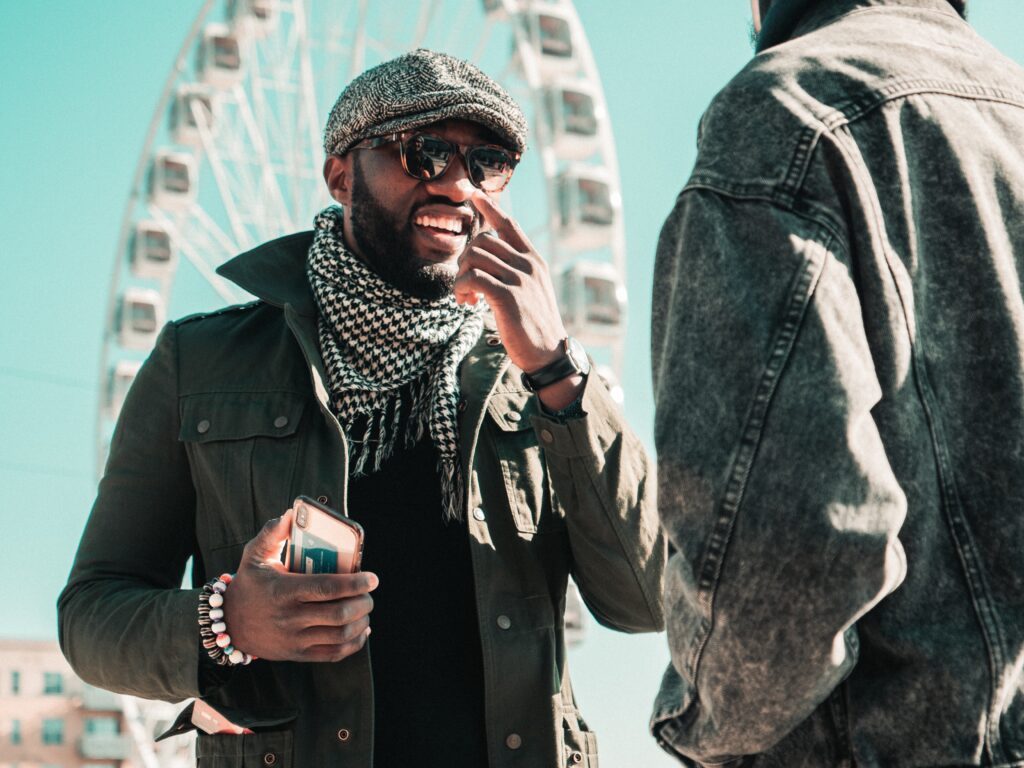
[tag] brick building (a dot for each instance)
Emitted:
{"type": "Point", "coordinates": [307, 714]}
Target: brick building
{"type": "Point", "coordinates": [51, 719]}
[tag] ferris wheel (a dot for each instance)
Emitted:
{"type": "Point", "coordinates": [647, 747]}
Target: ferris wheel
{"type": "Point", "coordinates": [233, 158]}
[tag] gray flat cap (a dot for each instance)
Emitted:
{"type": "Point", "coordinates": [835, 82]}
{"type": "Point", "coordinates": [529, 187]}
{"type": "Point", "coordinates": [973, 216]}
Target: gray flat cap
{"type": "Point", "coordinates": [416, 89]}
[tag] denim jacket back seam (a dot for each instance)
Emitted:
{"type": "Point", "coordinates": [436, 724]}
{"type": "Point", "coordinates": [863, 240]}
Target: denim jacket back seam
{"type": "Point", "coordinates": [959, 529]}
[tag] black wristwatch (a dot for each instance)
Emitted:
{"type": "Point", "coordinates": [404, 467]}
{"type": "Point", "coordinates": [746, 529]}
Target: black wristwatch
{"type": "Point", "coordinates": [573, 360]}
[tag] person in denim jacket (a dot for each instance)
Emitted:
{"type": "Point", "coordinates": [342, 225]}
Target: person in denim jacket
{"type": "Point", "coordinates": [838, 363]}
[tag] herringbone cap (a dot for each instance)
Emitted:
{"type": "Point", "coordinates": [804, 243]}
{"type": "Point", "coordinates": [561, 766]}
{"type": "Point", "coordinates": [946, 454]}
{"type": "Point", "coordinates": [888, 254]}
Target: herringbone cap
{"type": "Point", "coordinates": [416, 89]}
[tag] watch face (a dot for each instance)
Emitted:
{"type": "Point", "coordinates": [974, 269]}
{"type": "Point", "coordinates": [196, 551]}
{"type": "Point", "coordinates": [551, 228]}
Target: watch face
{"type": "Point", "coordinates": [578, 355]}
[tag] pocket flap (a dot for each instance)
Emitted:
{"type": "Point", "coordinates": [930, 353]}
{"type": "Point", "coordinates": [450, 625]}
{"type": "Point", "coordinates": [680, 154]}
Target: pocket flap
{"type": "Point", "coordinates": [511, 411]}
{"type": "Point", "coordinates": [239, 415]}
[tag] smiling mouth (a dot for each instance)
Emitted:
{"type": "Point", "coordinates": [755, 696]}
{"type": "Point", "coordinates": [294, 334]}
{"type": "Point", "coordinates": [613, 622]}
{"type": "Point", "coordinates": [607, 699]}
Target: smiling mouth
{"type": "Point", "coordinates": [441, 224]}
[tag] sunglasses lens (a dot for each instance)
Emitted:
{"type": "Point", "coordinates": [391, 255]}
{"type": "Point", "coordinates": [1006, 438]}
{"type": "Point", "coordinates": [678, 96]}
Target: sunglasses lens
{"type": "Point", "coordinates": [426, 157]}
{"type": "Point", "coordinates": [490, 168]}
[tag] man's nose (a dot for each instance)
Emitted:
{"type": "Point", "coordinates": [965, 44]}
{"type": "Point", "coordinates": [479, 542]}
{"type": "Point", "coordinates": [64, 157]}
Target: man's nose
{"type": "Point", "coordinates": [454, 183]}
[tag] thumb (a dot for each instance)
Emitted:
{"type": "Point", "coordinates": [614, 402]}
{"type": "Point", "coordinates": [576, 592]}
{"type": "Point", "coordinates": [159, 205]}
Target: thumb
{"type": "Point", "coordinates": [265, 548]}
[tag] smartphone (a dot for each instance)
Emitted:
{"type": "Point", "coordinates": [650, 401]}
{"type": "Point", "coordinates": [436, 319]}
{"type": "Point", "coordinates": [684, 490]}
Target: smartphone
{"type": "Point", "coordinates": [322, 540]}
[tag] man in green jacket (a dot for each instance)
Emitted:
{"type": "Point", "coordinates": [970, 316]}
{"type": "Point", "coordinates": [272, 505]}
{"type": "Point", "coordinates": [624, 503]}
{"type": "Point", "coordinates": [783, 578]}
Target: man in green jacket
{"type": "Point", "coordinates": [407, 367]}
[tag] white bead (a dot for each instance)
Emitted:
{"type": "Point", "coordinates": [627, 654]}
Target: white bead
{"type": "Point", "coordinates": [223, 641]}
{"type": "Point", "coordinates": [236, 656]}
{"type": "Point", "coordinates": [218, 626]}
{"type": "Point", "coordinates": [219, 587]}
{"type": "Point", "coordinates": [216, 613]}
{"type": "Point", "coordinates": [216, 600]}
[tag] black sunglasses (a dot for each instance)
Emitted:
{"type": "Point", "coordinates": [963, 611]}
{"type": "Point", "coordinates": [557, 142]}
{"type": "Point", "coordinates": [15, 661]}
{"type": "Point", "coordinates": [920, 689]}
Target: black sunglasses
{"type": "Point", "coordinates": [426, 157]}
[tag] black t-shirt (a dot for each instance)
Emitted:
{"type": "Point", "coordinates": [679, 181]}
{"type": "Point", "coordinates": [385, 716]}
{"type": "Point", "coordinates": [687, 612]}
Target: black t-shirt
{"type": "Point", "coordinates": [425, 644]}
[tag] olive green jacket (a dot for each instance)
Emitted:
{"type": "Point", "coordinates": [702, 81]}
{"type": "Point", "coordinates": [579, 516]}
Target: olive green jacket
{"type": "Point", "coordinates": [228, 421]}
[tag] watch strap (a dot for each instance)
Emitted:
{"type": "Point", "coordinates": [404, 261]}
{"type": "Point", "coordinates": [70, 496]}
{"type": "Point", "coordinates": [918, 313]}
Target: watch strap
{"type": "Point", "coordinates": [553, 372]}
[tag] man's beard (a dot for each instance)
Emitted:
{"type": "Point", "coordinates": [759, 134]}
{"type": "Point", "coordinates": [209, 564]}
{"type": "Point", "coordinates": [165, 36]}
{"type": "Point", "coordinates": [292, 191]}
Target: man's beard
{"type": "Point", "coordinates": [387, 247]}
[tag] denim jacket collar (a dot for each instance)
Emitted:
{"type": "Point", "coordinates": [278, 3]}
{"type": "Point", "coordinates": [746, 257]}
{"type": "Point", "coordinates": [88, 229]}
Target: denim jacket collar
{"type": "Point", "coordinates": [787, 19]}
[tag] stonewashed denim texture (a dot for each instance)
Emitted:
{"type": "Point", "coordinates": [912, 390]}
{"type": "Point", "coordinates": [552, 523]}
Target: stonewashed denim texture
{"type": "Point", "coordinates": [838, 360]}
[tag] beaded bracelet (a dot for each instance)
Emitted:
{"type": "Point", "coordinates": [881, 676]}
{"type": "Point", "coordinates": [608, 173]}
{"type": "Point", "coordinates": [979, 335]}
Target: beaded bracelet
{"type": "Point", "coordinates": [213, 629]}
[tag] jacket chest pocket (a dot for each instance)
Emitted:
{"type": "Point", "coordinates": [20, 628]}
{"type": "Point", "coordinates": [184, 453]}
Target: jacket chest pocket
{"type": "Point", "coordinates": [523, 470]}
{"type": "Point", "coordinates": [242, 449]}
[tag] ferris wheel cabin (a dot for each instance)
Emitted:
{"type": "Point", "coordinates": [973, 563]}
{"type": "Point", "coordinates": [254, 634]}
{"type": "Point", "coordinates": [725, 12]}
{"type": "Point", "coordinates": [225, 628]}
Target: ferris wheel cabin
{"type": "Point", "coordinates": [219, 57]}
{"type": "Point", "coordinates": [573, 120]}
{"type": "Point", "coordinates": [172, 179]}
{"type": "Point", "coordinates": [152, 251]}
{"type": "Point", "coordinates": [611, 383]}
{"type": "Point", "coordinates": [587, 209]}
{"type": "Point", "coordinates": [121, 377]}
{"type": "Point", "coordinates": [554, 41]}
{"type": "Point", "coordinates": [140, 317]}
{"type": "Point", "coordinates": [192, 110]}
{"type": "Point", "coordinates": [593, 302]}
{"type": "Point", "coordinates": [253, 17]}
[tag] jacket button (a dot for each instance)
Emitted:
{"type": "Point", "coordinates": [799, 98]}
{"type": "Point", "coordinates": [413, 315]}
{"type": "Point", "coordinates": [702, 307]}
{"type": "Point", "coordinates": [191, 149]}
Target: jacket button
{"type": "Point", "coordinates": [513, 416]}
{"type": "Point", "coordinates": [576, 758]}
{"type": "Point", "coordinates": [493, 341]}
{"type": "Point", "coordinates": [281, 421]}
{"type": "Point", "coordinates": [269, 758]}
{"type": "Point", "coordinates": [344, 734]}
{"type": "Point", "coordinates": [322, 499]}
{"type": "Point", "coordinates": [513, 741]}
{"type": "Point", "coordinates": [546, 436]}
{"type": "Point", "coordinates": [203, 427]}
{"type": "Point", "coordinates": [478, 513]}
{"type": "Point", "coordinates": [504, 622]}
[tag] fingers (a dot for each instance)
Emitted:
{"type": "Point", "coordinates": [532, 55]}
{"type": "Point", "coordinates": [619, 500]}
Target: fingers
{"type": "Point", "coordinates": [340, 635]}
{"type": "Point", "coordinates": [476, 257]}
{"type": "Point", "coordinates": [323, 587]}
{"type": "Point", "coordinates": [265, 548]}
{"type": "Point", "coordinates": [331, 652]}
{"type": "Point", "coordinates": [474, 282]}
{"type": "Point", "coordinates": [505, 226]}
{"type": "Point", "coordinates": [338, 613]}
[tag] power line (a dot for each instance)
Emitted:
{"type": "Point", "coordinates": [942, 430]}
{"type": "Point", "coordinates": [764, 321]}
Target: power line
{"type": "Point", "coordinates": [44, 470]}
{"type": "Point", "coordinates": [46, 378]}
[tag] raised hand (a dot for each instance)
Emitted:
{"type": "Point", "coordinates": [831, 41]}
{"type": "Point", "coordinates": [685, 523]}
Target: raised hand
{"type": "Point", "coordinates": [503, 266]}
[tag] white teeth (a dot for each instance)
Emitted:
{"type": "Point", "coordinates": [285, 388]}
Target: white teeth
{"type": "Point", "coordinates": [451, 223]}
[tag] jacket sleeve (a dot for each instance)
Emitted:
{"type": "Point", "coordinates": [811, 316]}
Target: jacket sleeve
{"type": "Point", "coordinates": [774, 485]}
{"type": "Point", "coordinates": [603, 479]}
{"type": "Point", "coordinates": [124, 621]}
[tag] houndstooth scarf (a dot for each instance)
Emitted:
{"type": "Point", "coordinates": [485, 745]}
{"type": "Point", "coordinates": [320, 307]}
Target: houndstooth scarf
{"type": "Point", "coordinates": [391, 358]}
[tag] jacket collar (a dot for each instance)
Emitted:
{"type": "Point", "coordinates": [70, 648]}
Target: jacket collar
{"type": "Point", "coordinates": [275, 272]}
{"type": "Point", "coordinates": [787, 19]}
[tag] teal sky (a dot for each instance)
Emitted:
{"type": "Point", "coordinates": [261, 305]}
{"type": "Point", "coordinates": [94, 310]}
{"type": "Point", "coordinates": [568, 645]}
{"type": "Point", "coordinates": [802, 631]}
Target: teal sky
{"type": "Point", "coordinates": [78, 90]}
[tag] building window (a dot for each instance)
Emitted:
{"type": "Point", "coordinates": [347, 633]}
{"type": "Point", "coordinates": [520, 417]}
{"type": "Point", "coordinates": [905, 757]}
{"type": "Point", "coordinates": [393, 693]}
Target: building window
{"type": "Point", "coordinates": [53, 682]}
{"type": "Point", "coordinates": [102, 726]}
{"type": "Point", "coordinates": [15, 681]}
{"type": "Point", "coordinates": [53, 731]}
{"type": "Point", "coordinates": [15, 731]}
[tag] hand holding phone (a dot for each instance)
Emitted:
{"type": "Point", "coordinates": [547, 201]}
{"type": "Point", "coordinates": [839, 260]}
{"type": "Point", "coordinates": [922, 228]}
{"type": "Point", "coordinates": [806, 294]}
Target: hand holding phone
{"type": "Point", "coordinates": [322, 540]}
{"type": "Point", "coordinates": [279, 615]}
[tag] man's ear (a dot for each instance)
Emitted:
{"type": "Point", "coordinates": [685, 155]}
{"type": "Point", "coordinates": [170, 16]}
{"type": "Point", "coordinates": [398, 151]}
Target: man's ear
{"type": "Point", "coordinates": [338, 175]}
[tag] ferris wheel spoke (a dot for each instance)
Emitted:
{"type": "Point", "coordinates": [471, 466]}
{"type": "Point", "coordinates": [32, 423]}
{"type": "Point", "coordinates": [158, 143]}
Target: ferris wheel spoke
{"type": "Point", "coordinates": [196, 240]}
{"type": "Point", "coordinates": [359, 43]}
{"type": "Point", "coordinates": [427, 11]}
{"type": "Point", "coordinates": [485, 39]}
